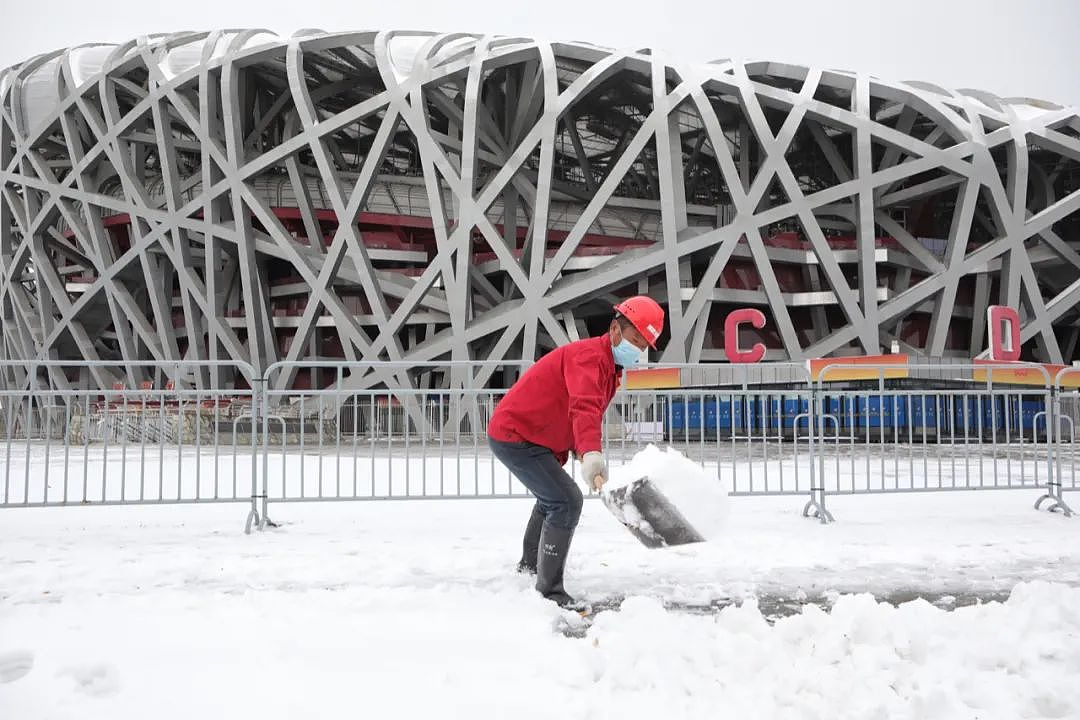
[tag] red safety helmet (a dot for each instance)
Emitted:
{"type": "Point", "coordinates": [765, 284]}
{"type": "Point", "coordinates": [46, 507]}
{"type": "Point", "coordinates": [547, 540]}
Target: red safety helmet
{"type": "Point", "coordinates": [645, 314]}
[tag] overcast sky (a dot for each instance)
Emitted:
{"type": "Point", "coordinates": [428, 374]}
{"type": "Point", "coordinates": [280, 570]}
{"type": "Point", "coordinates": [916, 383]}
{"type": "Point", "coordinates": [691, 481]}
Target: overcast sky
{"type": "Point", "coordinates": [1009, 47]}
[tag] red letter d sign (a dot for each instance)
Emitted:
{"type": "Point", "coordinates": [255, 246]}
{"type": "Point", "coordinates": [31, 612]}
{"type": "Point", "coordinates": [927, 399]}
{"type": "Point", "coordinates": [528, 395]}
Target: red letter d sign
{"type": "Point", "coordinates": [1004, 346]}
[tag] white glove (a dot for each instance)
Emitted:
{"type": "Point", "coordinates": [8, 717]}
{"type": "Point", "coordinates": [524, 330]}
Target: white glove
{"type": "Point", "coordinates": [594, 470]}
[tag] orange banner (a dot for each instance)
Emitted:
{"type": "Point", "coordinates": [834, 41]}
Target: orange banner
{"type": "Point", "coordinates": [1069, 379]}
{"type": "Point", "coordinates": [653, 379]}
{"type": "Point", "coordinates": [865, 367]}
{"type": "Point", "coordinates": [1026, 374]}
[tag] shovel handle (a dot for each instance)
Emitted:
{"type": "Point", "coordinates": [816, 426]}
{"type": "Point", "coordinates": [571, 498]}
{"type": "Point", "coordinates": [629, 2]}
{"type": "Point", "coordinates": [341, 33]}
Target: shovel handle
{"type": "Point", "coordinates": [598, 482]}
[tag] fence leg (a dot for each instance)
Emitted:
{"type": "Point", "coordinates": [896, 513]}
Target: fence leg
{"type": "Point", "coordinates": [259, 459]}
{"type": "Point", "coordinates": [1053, 485]}
{"type": "Point", "coordinates": [815, 506]}
{"type": "Point", "coordinates": [1057, 504]}
{"type": "Point", "coordinates": [253, 511]}
{"type": "Point", "coordinates": [264, 446]}
{"type": "Point", "coordinates": [253, 518]}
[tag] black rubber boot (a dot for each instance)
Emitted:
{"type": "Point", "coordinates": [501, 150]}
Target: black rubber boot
{"type": "Point", "coordinates": [554, 547]}
{"type": "Point", "coordinates": [530, 543]}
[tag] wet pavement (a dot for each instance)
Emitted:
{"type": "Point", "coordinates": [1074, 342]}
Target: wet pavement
{"type": "Point", "coordinates": [776, 606]}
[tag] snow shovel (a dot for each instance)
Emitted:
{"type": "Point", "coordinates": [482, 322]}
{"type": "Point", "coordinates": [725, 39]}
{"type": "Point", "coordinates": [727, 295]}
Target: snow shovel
{"type": "Point", "coordinates": [649, 515]}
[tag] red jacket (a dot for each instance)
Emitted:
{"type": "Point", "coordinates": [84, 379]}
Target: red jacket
{"type": "Point", "coordinates": [559, 402]}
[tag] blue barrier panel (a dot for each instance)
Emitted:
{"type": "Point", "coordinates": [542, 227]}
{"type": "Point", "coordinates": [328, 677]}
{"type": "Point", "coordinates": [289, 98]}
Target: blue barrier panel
{"type": "Point", "coordinates": [675, 417]}
{"type": "Point", "coordinates": [782, 412]}
{"type": "Point", "coordinates": [924, 411]}
{"type": "Point", "coordinates": [881, 411]}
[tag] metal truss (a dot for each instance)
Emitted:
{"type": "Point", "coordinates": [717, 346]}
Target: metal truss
{"type": "Point", "coordinates": [418, 198]}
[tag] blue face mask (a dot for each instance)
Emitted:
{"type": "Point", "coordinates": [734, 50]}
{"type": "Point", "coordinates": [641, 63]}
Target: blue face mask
{"type": "Point", "coordinates": [626, 354]}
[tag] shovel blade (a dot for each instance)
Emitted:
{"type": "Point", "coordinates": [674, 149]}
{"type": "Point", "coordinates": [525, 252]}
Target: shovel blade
{"type": "Point", "coordinates": [649, 515]}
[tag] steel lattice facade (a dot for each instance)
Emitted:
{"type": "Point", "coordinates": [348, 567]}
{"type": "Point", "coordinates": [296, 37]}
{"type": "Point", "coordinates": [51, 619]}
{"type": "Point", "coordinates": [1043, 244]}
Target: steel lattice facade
{"type": "Point", "coordinates": [417, 197]}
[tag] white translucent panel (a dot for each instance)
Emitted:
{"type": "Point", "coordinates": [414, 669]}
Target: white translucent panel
{"type": "Point", "coordinates": [86, 62]}
{"type": "Point", "coordinates": [40, 94]}
{"type": "Point", "coordinates": [403, 50]}
{"type": "Point", "coordinates": [258, 40]}
{"type": "Point", "coordinates": [181, 59]}
{"type": "Point", "coordinates": [41, 89]}
{"type": "Point", "coordinates": [452, 48]}
{"type": "Point", "coordinates": [1026, 109]}
{"type": "Point", "coordinates": [928, 87]}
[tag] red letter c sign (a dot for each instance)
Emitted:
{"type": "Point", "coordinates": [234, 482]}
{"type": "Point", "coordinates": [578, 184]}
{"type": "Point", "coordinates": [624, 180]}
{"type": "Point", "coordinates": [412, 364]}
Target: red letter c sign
{"type": "Point", "coordinates": [731, 336]}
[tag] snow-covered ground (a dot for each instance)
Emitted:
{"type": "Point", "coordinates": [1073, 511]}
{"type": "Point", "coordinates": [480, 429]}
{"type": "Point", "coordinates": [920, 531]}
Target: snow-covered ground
{"type": "Point", "coordinates": [412, 609]}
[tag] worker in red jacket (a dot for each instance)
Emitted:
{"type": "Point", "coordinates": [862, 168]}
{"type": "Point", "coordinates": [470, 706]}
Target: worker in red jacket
{"type": "Point", "coordinates": [556, 408]}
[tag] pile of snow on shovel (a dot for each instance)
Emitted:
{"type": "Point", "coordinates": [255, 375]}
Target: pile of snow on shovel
{"type": "Point", "coordinates": [700, 496]}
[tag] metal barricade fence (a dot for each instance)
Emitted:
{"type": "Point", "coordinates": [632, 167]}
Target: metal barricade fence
{"type": "Point", "coordinates": [350, 441]}
{"type": "Point", "coordinates": [162, 433]}
{"type": "Point", "coordinates": [217, 432]}
{"type": "Point", "coordinates": [751, 427]}
{"type": "Point", "coordinates": [959, 430]}
{"type": "Point", "coordinates": [1065, 416]}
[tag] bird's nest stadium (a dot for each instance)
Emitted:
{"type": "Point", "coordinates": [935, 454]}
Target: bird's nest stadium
{"type": "Point", "coordinates": [425, 198]}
